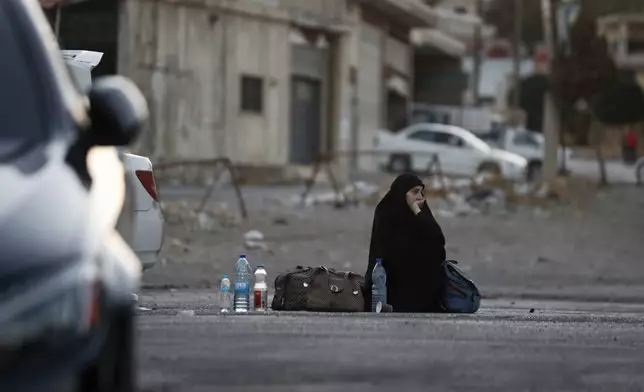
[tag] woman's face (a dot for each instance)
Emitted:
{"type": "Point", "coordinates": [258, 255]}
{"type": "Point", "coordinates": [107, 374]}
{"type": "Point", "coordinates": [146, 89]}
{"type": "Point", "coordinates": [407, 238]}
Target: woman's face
{"type": "Point", "coordinates": [414, 194]}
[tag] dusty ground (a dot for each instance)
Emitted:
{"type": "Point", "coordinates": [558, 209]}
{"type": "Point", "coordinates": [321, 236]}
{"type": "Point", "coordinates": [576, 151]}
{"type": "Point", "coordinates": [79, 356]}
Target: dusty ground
{"type": "Point", "coordinates": [589, 249]}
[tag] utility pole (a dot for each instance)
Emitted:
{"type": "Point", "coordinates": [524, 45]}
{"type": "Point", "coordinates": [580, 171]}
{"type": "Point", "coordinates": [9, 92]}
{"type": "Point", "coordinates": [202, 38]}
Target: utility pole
{"type": "Point", "coordinates": [551, 113]}
{"type": "Point", "coordinates": [516, 52]}
{"type": "Point", "coordinates": [355, 122]}
{"type": "Point", "coordinates": [59, 15]}
{"type": "Point", "coordinates": [477, 47]}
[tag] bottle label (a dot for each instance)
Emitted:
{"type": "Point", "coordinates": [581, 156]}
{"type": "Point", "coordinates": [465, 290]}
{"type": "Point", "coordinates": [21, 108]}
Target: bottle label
{"type": "Point", "coordinates": [241, 286]}
{"type": "Point", "coordinates": [225, 289]}
{"type": "Point", "coordinates": [260, 299]}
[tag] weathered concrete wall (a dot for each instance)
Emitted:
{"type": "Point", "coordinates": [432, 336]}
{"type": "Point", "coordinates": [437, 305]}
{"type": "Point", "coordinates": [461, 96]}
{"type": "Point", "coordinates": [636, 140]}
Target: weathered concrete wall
{"type": "Point", "coordinates": [188, 59]}
{"type": "Point", "coordinates": [370, 89]}
{"type": "Point", "coordinates": [262, 49]}
{"type": "Point", "coordinates": [316, 13]}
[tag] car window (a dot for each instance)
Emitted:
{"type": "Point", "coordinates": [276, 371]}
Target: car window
{"type": "Point", "coordinates": [21, 95]}
{"type": "Point", "coordinates": [437, 137]}
{"type": "Point", "coordinates": [526, 139]}
{"type": "Point", "coordinates": [423, 135]}
{"type": "Point", "coordinates": [493, 135]}
{"type": "Point", "coordinates": [456, 141]}
{"type": "Point", "coordinates": [448, 139]}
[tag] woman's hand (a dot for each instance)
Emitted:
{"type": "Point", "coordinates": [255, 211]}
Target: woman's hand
{"type": "Point", "coordinates": [417, 206]}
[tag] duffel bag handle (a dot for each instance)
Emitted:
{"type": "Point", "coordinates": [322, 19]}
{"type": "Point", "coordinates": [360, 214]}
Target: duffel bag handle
{"type": "Point", "coordinates": [321, 269]}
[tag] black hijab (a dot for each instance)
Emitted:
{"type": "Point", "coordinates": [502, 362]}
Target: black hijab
{"type": "Point", "coordinates": [412, 247]}
{"type": "Point", "coordinates": [394, 204]}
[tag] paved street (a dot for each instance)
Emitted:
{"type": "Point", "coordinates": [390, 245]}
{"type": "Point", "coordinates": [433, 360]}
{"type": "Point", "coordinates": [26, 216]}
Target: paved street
{"type": "Point", "coordinates": [499, 349]}
{"type": "Point", "coordinates": [563, 308]}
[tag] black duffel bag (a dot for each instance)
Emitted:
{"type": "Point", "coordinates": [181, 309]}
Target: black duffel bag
{"type": "Point", "coordinates": [318, 289]}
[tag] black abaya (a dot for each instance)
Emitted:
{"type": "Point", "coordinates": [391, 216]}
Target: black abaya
{"type": "Point", "coordinates": [412, 247]}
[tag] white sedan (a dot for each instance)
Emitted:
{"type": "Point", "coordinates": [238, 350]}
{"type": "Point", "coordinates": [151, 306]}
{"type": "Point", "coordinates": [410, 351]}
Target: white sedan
{"type": "Point", "coordinates": [459, 152]}
{"type": "Point", "coordinates": [142, 211]}
{"type": "Point", "coordinates": [141, 221]}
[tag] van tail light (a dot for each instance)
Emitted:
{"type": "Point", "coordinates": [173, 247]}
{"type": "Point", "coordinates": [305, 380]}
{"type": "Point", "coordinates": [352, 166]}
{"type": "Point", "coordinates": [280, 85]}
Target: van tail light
{"type": "Point", "coordinates": [147, 180]}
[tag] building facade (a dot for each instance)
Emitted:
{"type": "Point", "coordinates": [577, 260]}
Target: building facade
{"type": "Point", "coordinates": [381, 63]}
{"type": "Point", "coordinates": [624, 35]}
{"type": "Point", "coordinates": [219, 75]}
{"type": "Point", "coordinates": [270, 82]}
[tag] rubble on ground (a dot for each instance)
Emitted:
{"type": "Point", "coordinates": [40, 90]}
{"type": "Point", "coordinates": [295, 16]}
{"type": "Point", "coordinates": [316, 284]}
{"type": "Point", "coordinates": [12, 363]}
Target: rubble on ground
{"type": "Point", "coordinates": [211, 219]}
{"type": "Point", "coordinates": [254, 239]}
{"type": "Point", "coordinates": [485, 194]}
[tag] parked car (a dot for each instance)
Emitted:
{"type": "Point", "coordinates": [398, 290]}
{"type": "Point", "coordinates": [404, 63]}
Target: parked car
{"type": "Point", "coordinates": [459, 151]}
{"type": "Point", "coordinates": [66, 275]}
{"type": "Point", "coordinates": [141, 223]}
{"type": "Point", "coordinates": [528, 144]}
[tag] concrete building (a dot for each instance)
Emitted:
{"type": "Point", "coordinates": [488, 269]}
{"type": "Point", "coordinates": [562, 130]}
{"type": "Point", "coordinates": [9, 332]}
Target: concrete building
{"type": "Point", "coordinates": [219, 75]}
{"type": "Point", "coordinates": [624, 34]}
{"type": "Point", "coordinates": [268, 82]}
{"type": "Point", "coordinates": [381, 70]}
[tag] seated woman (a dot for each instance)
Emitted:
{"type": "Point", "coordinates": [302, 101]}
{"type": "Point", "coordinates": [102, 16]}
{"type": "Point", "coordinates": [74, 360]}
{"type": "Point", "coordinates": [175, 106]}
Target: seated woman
{"type": "Point", "coordinates": [412, 245]}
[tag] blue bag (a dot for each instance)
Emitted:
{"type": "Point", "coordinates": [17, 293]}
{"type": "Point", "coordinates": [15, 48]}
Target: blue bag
{"type": "Point", "coordinates": [461, 294]}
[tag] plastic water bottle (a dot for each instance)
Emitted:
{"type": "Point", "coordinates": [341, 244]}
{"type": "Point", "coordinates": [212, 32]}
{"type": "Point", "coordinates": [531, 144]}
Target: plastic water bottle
{"type": "Point", "coordinates": [378, 287]}
{"type": "Point", "coordinates": [242, 285]}
{"type": "Point", "coordinates": [260, 290]}
{"type": "Point", "coordinates": [225, 295]}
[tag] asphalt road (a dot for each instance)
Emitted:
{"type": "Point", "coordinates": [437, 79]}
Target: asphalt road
{"type": "Point", "coordinates": [496, 350]}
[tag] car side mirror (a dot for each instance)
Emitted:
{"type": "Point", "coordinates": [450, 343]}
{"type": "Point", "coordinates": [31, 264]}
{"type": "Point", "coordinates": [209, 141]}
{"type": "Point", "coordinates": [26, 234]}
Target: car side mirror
{"type": "Point", "coordinates": [118, 111]}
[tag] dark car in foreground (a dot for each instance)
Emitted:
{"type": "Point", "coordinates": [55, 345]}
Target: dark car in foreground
{"type": "Point", "coordinates": [66, 275]}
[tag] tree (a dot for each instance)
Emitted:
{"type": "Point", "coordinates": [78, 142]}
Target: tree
{"type": "Point", "coordinates": [621, 104]}
{"type": "Point", "coordinates": [499, 14]}
{"type": "Point", "coordinates": [583, 72]}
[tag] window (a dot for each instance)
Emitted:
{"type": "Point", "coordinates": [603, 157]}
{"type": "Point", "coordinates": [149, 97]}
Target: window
{"type": "Point", "coordinates": [459, 9]}
{"type": "Point", "coordinates": [526, 139]}
{"type": "Point", "coordinates": [252, 94]}
{"type": "Point", "coordinates": [455, 141]}
{"type": "Point", "coordinates": [437, 137]}
{"type": "Point", "coordinates": [448, 139]}
{"type": "Point", "coordinates": [636, 46]}
{"type": "Point", "coordinates": [423, 136]}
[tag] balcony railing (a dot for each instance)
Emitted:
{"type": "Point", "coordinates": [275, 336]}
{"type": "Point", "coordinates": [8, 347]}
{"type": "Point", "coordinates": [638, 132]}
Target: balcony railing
{"type": "Point", "coordinates": [322, 13]}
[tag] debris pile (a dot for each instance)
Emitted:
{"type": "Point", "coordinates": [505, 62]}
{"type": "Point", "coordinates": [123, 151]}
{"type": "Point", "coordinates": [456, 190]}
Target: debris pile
{"type": "Point", "coordinates": [254, 239]}
{"type": "Point", "coordinates": [492, 194]}
{"type": "Point", "coordinates": [210, 219]}
{"type": "Point", "coordinates": [352, 194]}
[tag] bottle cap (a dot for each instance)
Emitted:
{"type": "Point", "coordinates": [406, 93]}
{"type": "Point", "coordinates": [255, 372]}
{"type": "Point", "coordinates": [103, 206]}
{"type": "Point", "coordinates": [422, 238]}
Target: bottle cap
{"type": "Point", "coordinates": [260, 266]}
{"type": "Point", "coordinates": [378, 260]}
{"type": "Point", "coordinates": [242, 256]}
{"type": "Point", "coordinates": [225, 275]}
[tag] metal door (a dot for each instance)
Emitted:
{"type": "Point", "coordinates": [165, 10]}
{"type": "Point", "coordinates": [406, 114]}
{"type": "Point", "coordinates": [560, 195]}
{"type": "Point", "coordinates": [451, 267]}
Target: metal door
{"type": "Point", "coordinates": [306, 119]}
